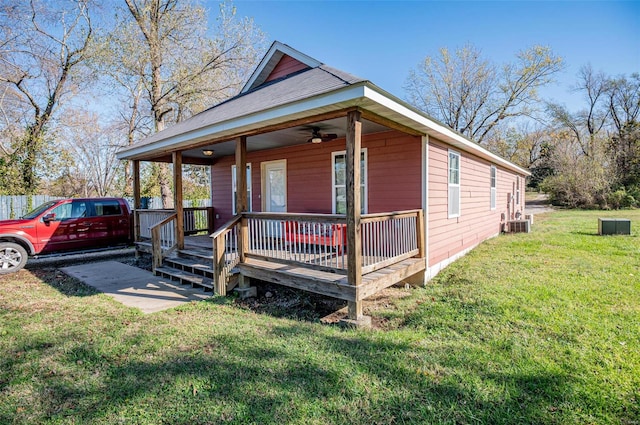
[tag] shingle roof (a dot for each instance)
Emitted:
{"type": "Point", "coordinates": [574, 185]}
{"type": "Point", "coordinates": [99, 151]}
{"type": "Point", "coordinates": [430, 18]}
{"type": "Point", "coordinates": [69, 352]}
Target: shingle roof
{"type": "Point", "coordinates": [304, 85]}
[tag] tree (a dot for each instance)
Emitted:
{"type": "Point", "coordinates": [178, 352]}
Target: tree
{"type": "Point", "coordinates": [596, 156]}
{"type": "Point", "coordinates": [623, 99]}
{"type": "Point", "coordinates": [43, 48]}
{"type": "Point", "coordinates": [472, 95]}
{"type": "Point", "coordinates": [163, 47]}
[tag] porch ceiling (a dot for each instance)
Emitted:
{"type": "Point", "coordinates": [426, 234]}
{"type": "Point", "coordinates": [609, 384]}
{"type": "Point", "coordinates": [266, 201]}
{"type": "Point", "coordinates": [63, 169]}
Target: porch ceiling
{"type": "Point", "coordinates": [298, 135]}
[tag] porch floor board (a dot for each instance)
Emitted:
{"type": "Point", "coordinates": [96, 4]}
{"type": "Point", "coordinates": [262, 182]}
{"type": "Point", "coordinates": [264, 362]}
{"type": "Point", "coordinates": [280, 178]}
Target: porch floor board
{"type": "Point", "coordinates": [330, 284]}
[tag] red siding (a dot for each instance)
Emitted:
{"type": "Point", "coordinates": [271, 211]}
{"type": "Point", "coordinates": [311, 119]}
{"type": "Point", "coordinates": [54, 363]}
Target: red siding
{"type": "Point", "coordinates": [394, 175]}
{"type": "Point", "coordinates": [477, 222]}
{"type": "Point", "coordinates": [286, 66]}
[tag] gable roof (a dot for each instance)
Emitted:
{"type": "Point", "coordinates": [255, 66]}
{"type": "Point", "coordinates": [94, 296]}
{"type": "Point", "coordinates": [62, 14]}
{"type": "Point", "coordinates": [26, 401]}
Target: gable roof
{"type": "Point", "coordinates": [305, 85]}
{"type": "Point", "coordinates": [306, 93]}
{"type": "Point", "coordinates": [270, 61]}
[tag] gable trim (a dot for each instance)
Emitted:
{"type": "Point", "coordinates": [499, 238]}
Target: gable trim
{"type": "Point", "coordinates": [271, 59]}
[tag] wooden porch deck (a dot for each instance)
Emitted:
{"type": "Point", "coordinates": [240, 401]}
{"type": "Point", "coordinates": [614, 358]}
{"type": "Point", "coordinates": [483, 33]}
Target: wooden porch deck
{"type": "Point", "coordinates": [303, 251]}
{"type": "Point", "coordinates": [333, 283]}
{"type": "Point", "coordinates": [326, 283]}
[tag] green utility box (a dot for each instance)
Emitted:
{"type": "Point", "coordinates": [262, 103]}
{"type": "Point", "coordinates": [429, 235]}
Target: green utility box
{"type": "Point", "coordinates": [614, 226]}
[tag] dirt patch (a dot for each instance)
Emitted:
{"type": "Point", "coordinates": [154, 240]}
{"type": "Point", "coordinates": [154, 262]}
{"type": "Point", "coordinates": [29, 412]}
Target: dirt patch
{"type": "Point", "coordinates": [281, 301]}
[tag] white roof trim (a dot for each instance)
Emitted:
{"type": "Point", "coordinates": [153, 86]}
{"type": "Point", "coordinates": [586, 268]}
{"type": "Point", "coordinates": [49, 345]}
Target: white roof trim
{"type": "Point", "coordinates": [361, 94]}
{"type": "Point", "coordinates": [430, 126]}
{"type": "Point", "coordinates": [323, 103]}
{"type": "Point", "coordinates": [276, 51]}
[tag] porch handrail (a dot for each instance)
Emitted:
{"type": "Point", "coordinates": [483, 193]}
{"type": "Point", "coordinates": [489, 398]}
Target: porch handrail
{"type": "Point", "coordinates": [388, 238]}
{"type": "Point", "coordinates": [197, 219]}
{"type": "Point", "coordinates": [145, 219]}
{"type": "Point", "coordinates": [319, 240]}
{"type": "Point", "coordinates": [164, 239]}
{"type": "Point", "coordinates": [317, 218]}
{"type": "Point", "coordinates": [314, 241]}
{"type": "Point", "coordinates": [226, 254]}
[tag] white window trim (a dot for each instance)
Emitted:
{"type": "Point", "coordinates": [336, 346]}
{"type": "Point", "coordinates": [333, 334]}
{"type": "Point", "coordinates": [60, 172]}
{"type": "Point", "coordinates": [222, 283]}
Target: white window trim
{"type": "Point", "coordinates": [233, 189]}
{"type": "Point", "coordinates": [458, 185]}
{"type": "Point", "coordinates": [365, 187]}
{"type": "Point", "coordinates": [518, 190]}
{"type": "Point", "coordinates": [493, 184]}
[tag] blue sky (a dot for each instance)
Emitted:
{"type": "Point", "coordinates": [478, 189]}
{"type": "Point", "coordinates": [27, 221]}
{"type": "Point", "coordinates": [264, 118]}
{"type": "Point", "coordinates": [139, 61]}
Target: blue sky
{"type": "Point", "coordinates": [383, 40]}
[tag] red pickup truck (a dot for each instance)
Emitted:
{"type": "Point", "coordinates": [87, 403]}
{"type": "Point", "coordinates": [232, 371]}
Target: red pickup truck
{"type": "Point", "coordinates": [64, 225]}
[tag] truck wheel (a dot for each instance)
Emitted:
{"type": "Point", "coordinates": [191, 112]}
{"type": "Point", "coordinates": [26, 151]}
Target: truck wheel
{"type": "Point", "coordinates": [13, 257]}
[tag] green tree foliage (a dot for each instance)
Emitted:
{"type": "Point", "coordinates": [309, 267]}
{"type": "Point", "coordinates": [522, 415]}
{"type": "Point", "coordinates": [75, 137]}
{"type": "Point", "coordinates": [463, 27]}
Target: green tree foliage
{"type": "Point", "coordinates": [44, 47]}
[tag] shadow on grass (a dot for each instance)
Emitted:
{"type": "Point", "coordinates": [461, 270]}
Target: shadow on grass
{"type": "Point", "coordinates": [585, 233]}
{"type": "Point", "coordinates": [340, 378]}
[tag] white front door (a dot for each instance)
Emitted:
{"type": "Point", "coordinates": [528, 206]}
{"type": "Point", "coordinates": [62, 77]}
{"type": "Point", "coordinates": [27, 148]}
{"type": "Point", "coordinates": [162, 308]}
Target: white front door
{"type": "Point", "coordinates": [274, 185]}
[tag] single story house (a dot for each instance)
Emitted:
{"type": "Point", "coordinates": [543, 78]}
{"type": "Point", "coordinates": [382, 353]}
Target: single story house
{"type": "Point", "coordinates": [347, 189]}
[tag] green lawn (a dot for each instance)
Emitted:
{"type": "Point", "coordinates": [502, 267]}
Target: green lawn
{"type": "Point", "coordinates": [528, 328]}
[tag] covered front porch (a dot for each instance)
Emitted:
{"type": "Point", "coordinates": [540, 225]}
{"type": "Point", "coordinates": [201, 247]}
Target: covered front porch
{"type": "Point", "coordinates": [347, 256]}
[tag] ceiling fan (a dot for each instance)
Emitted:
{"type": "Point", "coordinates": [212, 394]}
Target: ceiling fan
{"type": "Point", "coordinates": [317, 137]}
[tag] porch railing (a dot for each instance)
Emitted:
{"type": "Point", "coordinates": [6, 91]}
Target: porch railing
{"type": "Point", "coordinates": [316, 240]}
{"type": "Point", "coordinates": [146, 219]}
{"type": "Point", "coordinates": [226, 253]}
{"type": "Point", "coordinates": [319, 240]}
{"type": "Point", "coordinates": [164, 239]}
{"type": "Point", "coordinates": [389, 238]}
{"type": "Point", "coordinates": [195, 219]}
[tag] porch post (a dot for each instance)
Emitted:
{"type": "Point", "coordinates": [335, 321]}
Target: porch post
{"type": "Point", "coordinates": [136, 200]}
{"type": "Point", "coordinates": [354, 241]}
{"type": "Point", "coordinates": [177, 198]}
{"type": "Point", "coordinates": [241, 175]}
{"type": "Point", "coordinates": [242, 205]}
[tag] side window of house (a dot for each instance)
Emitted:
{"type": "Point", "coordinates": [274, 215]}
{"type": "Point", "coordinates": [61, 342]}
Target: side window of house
{"type": "Point", "coordinates": [517, 190]}
{"type": "Point", "coordinates": [107, 207]}
{"type": "Point", "coordinates": [454, 184]}
{"type": "Point", "coordinates": [234, 195]}
{"type": "Point", "coordinates": [493, 187]}
{"type": "Point", "coordinates": [339, 182]}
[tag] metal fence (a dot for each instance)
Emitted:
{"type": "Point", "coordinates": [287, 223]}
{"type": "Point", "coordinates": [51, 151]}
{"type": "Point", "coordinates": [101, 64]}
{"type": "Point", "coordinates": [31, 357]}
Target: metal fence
{"type": "Point", "coordinates": [17, 206]}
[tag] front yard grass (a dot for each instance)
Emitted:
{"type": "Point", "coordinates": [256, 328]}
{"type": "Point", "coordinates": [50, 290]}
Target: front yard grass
{"type": "Point", "coordinates": [536, 328]}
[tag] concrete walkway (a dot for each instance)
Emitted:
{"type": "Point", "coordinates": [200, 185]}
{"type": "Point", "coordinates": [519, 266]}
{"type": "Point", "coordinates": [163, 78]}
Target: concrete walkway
{"type": "Point", "coordinates": [134, 287]}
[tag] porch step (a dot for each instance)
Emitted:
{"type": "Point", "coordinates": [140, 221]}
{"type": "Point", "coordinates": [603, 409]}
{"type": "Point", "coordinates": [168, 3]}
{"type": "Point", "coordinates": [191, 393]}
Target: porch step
{"type": "Point", "coordinates": [185, 278]}
{"type": "Point", "coordinates": [195, 252]}
{"type": "Point", "coordinates": [191, 264]}
{"type": "Point", "coordinates": [143, 246]}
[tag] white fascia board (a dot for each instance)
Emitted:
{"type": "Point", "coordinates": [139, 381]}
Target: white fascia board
{"type": "Point", "coordinates": [428, 125]}
{"type": "Point", "coordinates": [349, 96]}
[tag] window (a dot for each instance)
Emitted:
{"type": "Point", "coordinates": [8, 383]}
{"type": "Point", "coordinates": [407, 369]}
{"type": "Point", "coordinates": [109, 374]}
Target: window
{"type": "Point", "coordinates": [454, 184]}
{"type": "Point", "coordinates": [75, 209]}
{"type": "Point", "coordinates": [105, 208]}
{"type": "Point", "coordinates": [517, 190]}
{"type": "Point", "coordinates": [493, 187]}
{"type": "Point", "coordinates": [339, 182]}
{"type": "Point", "coordinates": [61, 212]}
{"type": "Point", "coordinates": [233, 188]}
